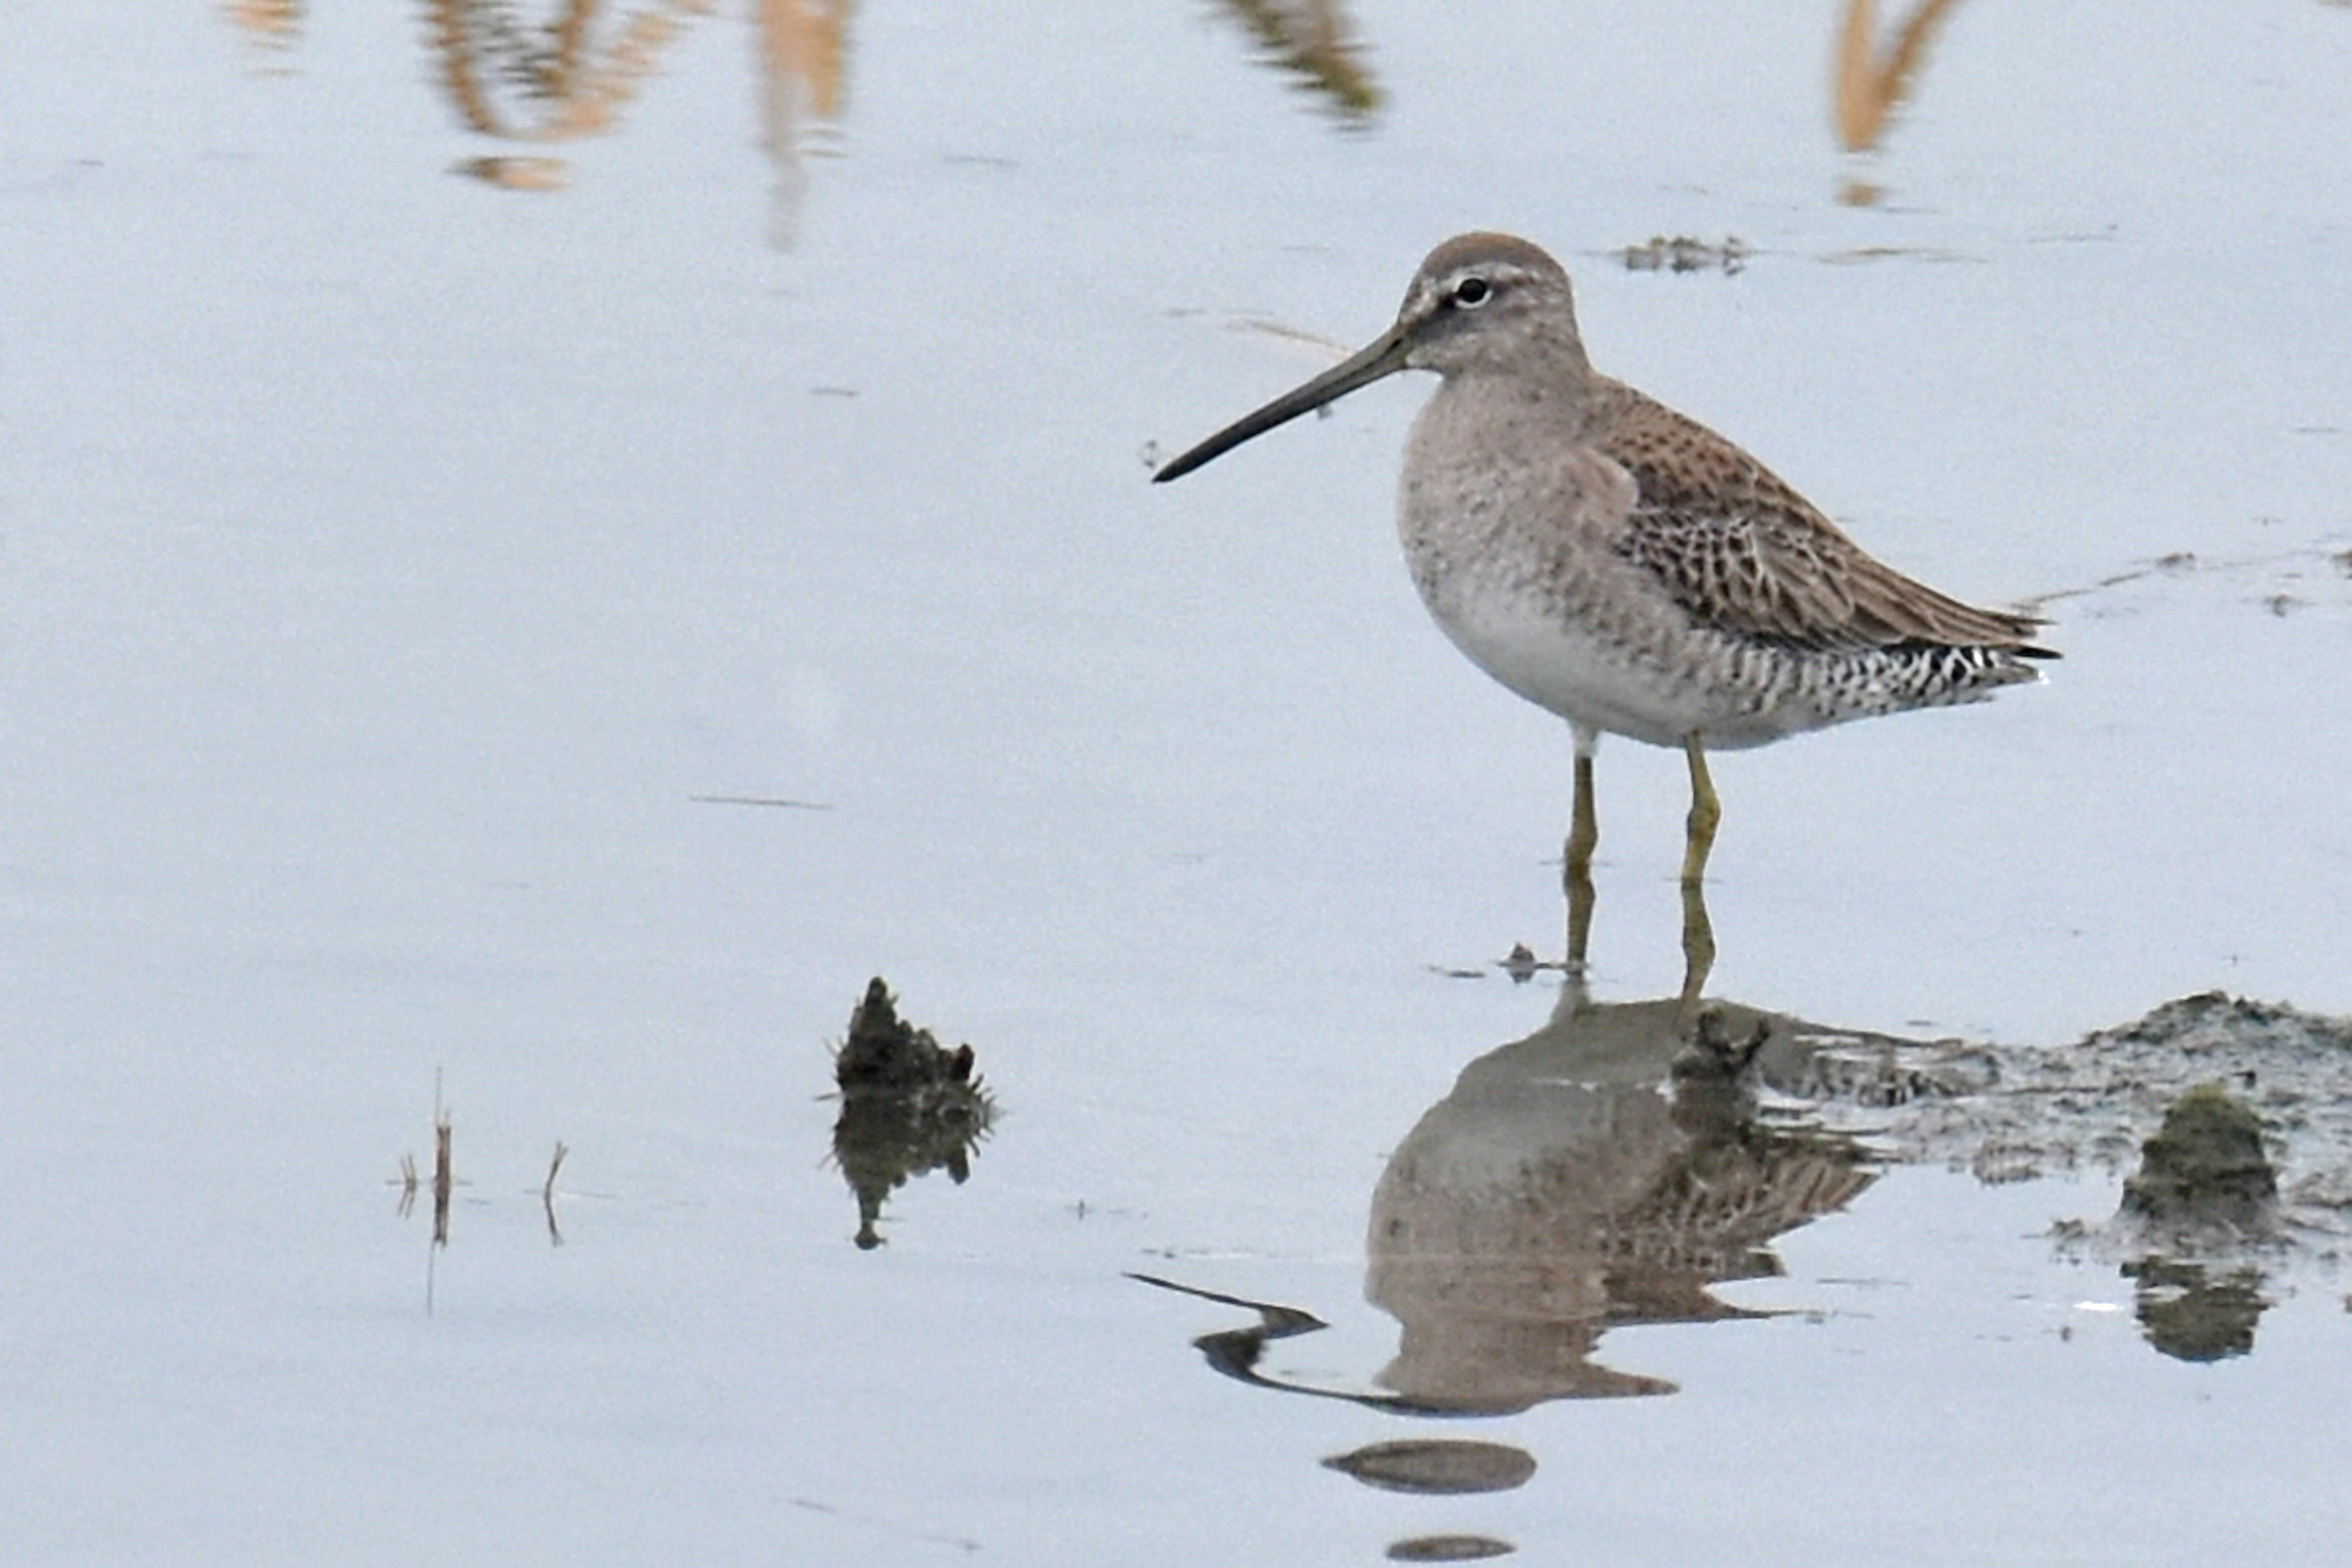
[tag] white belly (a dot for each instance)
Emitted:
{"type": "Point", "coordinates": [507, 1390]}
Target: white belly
{"type": "Point", "coordinates": [1570, 671]}
{"type": "Point", "coordinates": [1622, 663]}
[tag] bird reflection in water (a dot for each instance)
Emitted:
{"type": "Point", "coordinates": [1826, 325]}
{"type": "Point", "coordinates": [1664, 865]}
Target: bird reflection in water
{"type": "Point", "coordinates": [1609, 1170]}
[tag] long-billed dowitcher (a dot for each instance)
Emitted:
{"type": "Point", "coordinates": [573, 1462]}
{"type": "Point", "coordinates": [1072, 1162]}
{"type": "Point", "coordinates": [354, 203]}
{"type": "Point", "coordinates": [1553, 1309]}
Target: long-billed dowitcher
{"type": "Point", "coordinates": [1623, 565]}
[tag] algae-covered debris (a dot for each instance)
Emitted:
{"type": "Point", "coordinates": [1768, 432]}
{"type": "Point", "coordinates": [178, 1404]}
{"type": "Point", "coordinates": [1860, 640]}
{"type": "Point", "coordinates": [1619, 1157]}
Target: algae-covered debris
{"type": "Point", "coordinates": [2205, 1167]}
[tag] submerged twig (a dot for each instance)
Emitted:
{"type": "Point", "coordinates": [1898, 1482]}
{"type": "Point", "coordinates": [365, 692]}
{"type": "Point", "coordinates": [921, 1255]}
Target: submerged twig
{"type": "Point", "coordinates": [444, 1178]}
{"type": "Point", "coordinates": [547, 1193]}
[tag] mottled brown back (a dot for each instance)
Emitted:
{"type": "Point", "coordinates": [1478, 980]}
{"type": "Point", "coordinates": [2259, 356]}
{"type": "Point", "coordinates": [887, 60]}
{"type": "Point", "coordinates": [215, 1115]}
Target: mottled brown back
{"type": "Point", "coordinates": [1740, 551]}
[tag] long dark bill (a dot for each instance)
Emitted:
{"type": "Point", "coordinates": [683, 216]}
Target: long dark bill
{"type": "Point", "coordinates": [1384, 357]}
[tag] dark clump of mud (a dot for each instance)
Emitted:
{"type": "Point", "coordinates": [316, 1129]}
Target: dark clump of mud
{"type": "Point", "coordinates": [908, 1106]}
{"type": "Point", "coordinates": [885, 1055]}
{"type": "Point", "coordinates": [2232, 1117]}
{"type": "Point", "coordinates": [2017, 1112]}
{"type": "Point", "coordinates": [2229, 1119]}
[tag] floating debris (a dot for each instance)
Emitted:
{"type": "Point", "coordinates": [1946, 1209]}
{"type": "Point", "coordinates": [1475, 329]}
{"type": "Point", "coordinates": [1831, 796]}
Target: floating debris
{"type": "Point", "coordinates": [1685, 253]}
{"type": "Point", "coordinates": [908, 1106]}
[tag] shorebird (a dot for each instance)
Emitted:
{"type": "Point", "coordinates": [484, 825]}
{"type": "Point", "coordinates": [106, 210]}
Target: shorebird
{"type": "Point", "coordinates": [1622, 564]}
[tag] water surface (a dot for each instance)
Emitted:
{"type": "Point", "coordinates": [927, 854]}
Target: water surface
{"type": "Point", "coordinates": [448, 468]}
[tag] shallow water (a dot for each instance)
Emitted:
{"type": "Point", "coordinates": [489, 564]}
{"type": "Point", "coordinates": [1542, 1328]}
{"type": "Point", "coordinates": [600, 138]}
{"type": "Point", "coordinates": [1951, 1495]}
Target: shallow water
{"type": "Point", "coordinates": [411, 566]}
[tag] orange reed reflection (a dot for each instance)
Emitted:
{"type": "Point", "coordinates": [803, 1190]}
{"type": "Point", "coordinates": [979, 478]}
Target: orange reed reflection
{"type": "Point", "coordinates": [1868, 85]}
{"type": "Point", "coordinates": [572, 88]}
{"type": "Point", "coordinates": [271, 24]}
{"type": "Point", "coordinates": [802, 44]}
{"type": "Point", "coordinates": [1314, 39]}
{"type": "Point", "coordinates": [556, 82]}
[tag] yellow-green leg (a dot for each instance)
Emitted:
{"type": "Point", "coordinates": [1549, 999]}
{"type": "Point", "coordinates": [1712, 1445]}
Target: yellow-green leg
{"type": "Point", "coordinates": [1698, 951]}
{"type": "Point", "coordinates": [1698, 931]}
{"type": "Point", "coordinates": [1705, 813]}
{"type": "Point", "coordinates": [1583, 836]}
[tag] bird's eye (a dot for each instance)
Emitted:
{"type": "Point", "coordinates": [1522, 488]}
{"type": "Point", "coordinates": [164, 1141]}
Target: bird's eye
{"type": "Point", "coordinates": [1473, 292]}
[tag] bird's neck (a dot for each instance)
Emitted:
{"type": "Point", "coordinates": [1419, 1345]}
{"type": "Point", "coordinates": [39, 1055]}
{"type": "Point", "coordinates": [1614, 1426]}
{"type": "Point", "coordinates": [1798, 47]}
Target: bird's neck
{"type": "Point", "coordinates": [1552, 400]}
